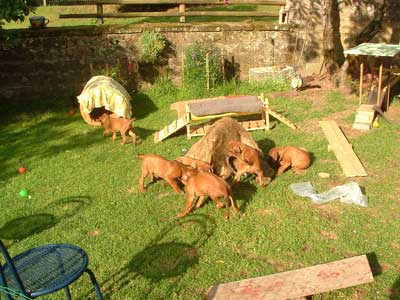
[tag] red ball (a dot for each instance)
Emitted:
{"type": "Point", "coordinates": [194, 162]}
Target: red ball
{"type": "Point", "coordinates": [71, 112]}
{"type": "Point", "coordinates": [21, 170]}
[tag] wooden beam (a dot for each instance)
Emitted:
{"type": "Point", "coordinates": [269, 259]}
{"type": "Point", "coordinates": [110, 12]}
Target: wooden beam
{"type": "Point", "coordinates": [173, 14]}
{"type": "Point", "coordinates": [297, 283]}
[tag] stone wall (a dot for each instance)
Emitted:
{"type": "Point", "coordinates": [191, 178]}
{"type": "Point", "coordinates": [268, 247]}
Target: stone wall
{"type": "Point", "coordinates": [57, 62]}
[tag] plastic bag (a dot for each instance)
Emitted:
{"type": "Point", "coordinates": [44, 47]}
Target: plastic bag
{"type": "Point", "coordinates": [348, 193]}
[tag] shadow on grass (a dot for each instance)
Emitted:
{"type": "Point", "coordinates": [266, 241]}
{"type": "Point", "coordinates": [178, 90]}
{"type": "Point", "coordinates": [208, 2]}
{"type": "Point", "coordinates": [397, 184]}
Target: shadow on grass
{"type": "Point", "coordinates": [43, 138]}
{"type": "Point", "coordinates": [142, 133]}
{"type": "Point", "coordinates": [394, 292]}
{"type": "Point", "coordinates": [244, 191]}
{"type": "Point", "coordinates": [142, 106]}
{"type": "Point", "coordinates": [23, 227]}
{"type": "Point", "coordinates": [164, 259]}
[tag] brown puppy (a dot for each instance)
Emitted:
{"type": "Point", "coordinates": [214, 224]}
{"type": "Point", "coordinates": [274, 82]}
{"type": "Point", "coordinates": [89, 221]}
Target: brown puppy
{"type": "Point", "coordinates": [195, 163]}
{"type": "Point", "coordinates": [156, 166]}
{"type": "Point", "coordinates": [298, 158]}
{"type": "Point", "coordinates": [245, 154]}
{"type": "Point", "coordinates": [241, 167]}
{"type": "Point", "coordinates": [204, 184]}
{"type": "Point", "coordinates": [117, 124]}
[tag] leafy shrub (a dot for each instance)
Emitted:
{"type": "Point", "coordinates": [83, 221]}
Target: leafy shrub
{"type": "Point", "coordinates": [14, 10]}
{"type": "Point", "coordinates": [153, 44]}
{"type": "Point", "coordinates": [195, 66]}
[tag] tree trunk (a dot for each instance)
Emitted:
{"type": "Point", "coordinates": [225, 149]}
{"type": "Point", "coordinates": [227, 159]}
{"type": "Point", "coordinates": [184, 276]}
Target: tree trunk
{"type": "Point", "coordinates": [332, 45]}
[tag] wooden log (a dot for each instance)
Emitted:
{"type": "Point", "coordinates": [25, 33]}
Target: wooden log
{"type": "Point", "coordinates": [172, 14]}
{"type": "Point", "coordinates": [297, 283]}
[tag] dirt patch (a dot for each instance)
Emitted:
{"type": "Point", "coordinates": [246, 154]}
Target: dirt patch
{"type": "Point", "coordinates": [328, 212]}
{"type": "Point", "coordinates": [329, 235]}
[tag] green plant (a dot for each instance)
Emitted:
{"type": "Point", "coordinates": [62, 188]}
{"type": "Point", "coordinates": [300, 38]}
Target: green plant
{"type": "Point", "coordinates": [15, 10]}
{"type": "Point", "coordinates": [195, 74]}
{"type": "Point", "coordinates": [153, 44]}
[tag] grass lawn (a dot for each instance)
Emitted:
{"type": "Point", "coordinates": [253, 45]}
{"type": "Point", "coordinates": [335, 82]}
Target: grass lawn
{"type": "Point", "coordinates": [85, 191]}
{"type": "Point", "coordinates": [52, 13]}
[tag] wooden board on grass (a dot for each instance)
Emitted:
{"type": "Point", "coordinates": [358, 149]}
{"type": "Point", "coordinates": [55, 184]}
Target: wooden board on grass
{"type": "Point", "coordinates": [348, 160]}
{"type": "Point", "coordinates": [297, 283]}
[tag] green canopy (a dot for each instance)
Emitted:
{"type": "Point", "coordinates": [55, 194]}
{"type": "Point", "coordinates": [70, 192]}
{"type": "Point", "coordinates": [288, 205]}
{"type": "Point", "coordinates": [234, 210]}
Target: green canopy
{"type": "Point", "coordinates": [373, 49]}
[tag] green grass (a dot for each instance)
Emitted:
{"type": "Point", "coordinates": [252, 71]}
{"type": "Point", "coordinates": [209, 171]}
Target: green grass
{"type": "Point", "coordinates": [84, 191]}
{"type": "Point", "coordinates": [52, 13]}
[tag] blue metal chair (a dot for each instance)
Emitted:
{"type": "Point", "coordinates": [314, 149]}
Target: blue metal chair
{"type": "Point", "coordinates": [44, 270]}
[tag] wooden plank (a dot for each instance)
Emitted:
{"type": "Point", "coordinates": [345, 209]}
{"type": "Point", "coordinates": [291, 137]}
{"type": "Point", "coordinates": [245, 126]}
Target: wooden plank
{"type": "Point", "coordinates": [171, 128]}
{"type": "Point", "coordinates": [172, 14]}
{"type": "Point", "coordinates": [297, 283]}
{"type": "Point", "coordinates": [188, 2]}
{"type": "Point", "coordinates": [348, 160]}
{"type": "Point", "coordinates": [281, 118]}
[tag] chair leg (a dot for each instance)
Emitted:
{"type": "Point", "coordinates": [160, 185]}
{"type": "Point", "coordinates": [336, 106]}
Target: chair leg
{"type": "Point", "coordinates": [67, 292]}
{"type": "Point", "coordinates": [96, 287]}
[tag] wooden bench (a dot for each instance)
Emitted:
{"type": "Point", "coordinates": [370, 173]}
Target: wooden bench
{"type": "Point", "coordinates": [297, 283]}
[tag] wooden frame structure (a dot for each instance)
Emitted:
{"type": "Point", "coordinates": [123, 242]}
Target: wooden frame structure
{"type": "Point", "coordinates": [186, 118]}
{"type": "Point", "coordinates": [387, 78]}
{"type": "Point", "coordinates": [377, 51]}
{"type": "Point", "coordinates": [182, 9]}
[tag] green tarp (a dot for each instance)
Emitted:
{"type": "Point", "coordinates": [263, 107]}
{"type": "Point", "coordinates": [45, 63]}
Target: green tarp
{"type": "Point", "coordinates": [373, 49]}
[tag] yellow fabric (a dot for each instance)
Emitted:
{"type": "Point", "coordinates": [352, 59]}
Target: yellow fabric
{"type": "Point", "coordinates": [199, 118]}
{"type": "Point", "coordinates": [104, 91]}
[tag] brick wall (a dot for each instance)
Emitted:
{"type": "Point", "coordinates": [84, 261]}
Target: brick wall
{"type": "Point", "coordinates": [56, 62]}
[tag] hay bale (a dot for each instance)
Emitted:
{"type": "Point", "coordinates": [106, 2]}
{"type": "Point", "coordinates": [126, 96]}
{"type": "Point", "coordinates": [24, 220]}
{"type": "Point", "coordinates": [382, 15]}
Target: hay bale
{"type": "Point", "coordinates": [212, 148]}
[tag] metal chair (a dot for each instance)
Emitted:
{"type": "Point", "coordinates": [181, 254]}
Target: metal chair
{"type": "Point", "coordinates": [44, 270]}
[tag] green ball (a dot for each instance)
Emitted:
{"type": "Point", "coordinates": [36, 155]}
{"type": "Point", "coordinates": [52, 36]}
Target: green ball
{"type": "Point", "coordinates": [23, 193]}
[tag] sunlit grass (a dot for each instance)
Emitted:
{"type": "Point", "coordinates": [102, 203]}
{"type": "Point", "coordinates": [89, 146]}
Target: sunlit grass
{"type": "Point", "coordinates": [84, 191]}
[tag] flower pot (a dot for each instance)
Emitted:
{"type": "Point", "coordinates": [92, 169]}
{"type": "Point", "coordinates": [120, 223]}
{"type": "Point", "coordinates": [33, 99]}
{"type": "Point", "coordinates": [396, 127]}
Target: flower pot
{"type": "Point", "coordinates": [38, 22]}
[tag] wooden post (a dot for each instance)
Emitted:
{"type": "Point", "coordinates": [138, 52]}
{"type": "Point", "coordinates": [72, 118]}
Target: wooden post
{"type": "Point", "coordinates": [182, 8]}
{"type": "Point", "coordinates": [222, 65]}
{"type": "Point", "coordinates": [361, 79]}
{"type": "Point", "coordinates": [388, 97]}
{"type": "Point", "coordinates": [265, 111]}
{"type": "Point", "coordinates": [100, 19]}
{"type": "Point", "coordinates": [379, 84]}
{"type": "Point", "coordinates": [107, 70]}
{"type": "Point", "coordinates": [207, 72]}
{"type": "Point", "coordinates": [91, 70]}
{"type": "Point", "coordinates": [44, 3]}
{"type": "Point", "coordinates": [183, 68]}
{"type": "Point", "coordinates": [187, 112]}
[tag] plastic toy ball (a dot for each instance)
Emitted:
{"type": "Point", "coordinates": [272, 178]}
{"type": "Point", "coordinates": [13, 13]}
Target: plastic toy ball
{"type": "Point", "coordinates": [375, 124]}
{"type": "Point", "coordinates": [24, 193]}
{"type": "Point", "coordinates": [21, 170]}
{"type": "Point", "coordinates": [71, 112]}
